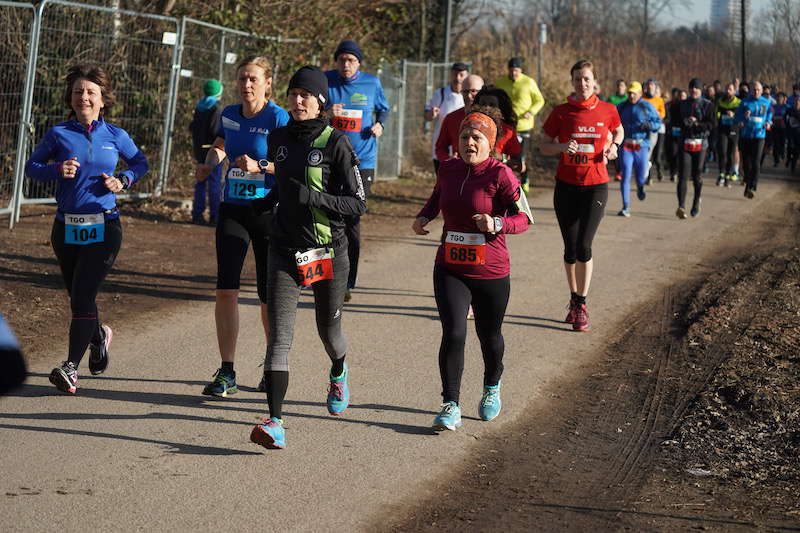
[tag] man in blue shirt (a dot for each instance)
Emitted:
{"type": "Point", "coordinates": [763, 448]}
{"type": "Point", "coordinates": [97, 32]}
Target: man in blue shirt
{"type": "Point", "coordinates": [358, 108]}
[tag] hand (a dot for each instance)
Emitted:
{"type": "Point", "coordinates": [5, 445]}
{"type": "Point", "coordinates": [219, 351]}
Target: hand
{"type": "Point", "coordinates": [112, 183]}
{"type": "Point", "coordinates": [484, 222]}
{"type": "Point", "coordinates": [336, 109]}
{"type": "Point", "coordinates": [69, 168]}
{"type": "Point", "coordinates": [247, 164]}
{"type": "Point", "coordinates": [377, 129]}
{"type": "Point", "coordinates": [730, 112]}
{"type": "Point", "coordinates": [611, 152]}
{"type": "Point", "coordinates": [201, 172]}
{"type": "Point", "coordinates": [419, 226]}
{"type": "Point", "coordinates": [646, 126]}
{"type": "Point", "coordinates": [746, 113]}
{"type": "Point", "coordinates": [528, 115]}
{"type": "Point", "coordinates": [435, 112]}
{"type": "Point", "coordinates": [571, 147]}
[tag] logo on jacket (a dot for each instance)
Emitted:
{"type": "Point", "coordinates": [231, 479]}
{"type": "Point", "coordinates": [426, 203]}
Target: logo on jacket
{"type": "Point", "coordinates": [282, 154]}
{"type": "Point", "coordinates": [359, 99]}
{"type": "Point", "coordinates": [314, 157]}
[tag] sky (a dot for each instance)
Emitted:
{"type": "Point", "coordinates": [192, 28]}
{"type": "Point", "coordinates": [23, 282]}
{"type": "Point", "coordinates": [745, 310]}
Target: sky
{"type": "Point", "coordinates": [700, 12]}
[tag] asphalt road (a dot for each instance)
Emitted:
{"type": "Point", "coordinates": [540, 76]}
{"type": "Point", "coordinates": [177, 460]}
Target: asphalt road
{"type": "Point", "coordinates": [140, 447]}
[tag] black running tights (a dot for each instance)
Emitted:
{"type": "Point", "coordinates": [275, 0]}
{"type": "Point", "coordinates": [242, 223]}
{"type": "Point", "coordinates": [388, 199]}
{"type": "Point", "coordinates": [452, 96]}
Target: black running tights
{"type": "Point", "coordinates": [690, 164]}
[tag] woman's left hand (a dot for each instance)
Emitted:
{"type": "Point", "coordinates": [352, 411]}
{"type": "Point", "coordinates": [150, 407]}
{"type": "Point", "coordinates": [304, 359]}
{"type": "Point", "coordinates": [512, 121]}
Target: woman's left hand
{"type": "Point", "coordinates": [247, 164]}
{"type": "Point", "coordinates": [484, 222]}
{"type": "Point", "coordinates": [611, 152]}
{"type": "Point", "coordinates": [112, 183]}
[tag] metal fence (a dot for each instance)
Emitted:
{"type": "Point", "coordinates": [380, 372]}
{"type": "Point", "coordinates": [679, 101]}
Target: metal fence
{"type": "Point", "coordinates": [158, 65]}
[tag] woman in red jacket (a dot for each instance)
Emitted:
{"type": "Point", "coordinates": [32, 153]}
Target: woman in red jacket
{"type": "Point", "coordinates": [480, 201]}
{"type": "Point", "coordinates": [585, 132]}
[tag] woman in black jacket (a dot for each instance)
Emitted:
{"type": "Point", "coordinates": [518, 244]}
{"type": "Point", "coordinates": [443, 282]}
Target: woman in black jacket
{"type": "Point", "coordinates": [317, 185]}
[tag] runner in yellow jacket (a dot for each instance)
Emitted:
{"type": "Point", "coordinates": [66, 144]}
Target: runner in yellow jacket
{"type": "Point", "coordinates": [527, 101]}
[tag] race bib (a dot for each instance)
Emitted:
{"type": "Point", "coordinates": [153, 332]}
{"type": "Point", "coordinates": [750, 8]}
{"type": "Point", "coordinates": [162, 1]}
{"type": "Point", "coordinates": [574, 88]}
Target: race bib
{"type": "Point", "coordinates": [244, 186]}
{"type": "Point", "coordinates": [692, 145]}
{"type": "Point", "coordinates": [84, 229]}
{"type": "Point", "coordinates": [676, 132]}
{"type": "Point", "coordinates": [726, 120]}
{"type": "Point", "coordinates": [314, 265]}
{"type": "Point", "coordinates": [583, 157]}
{"type": "Point", "coordinates": [778, 121]}
{"type": "Point", "coordinates": [465, 248]}
{"type": "Point", "coordinates": [348, 120]}
{"type": "Point", "coordinates": [632, 145]}
{"type": "Point", "coordinates": [755, 122]}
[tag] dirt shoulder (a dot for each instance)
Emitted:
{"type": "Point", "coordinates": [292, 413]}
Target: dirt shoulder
{"type": "Point", "coordinates": [689, 420]}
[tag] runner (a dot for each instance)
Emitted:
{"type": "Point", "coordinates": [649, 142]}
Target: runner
{"type": "Point", "coordinates": [355, 97]}
{"type": "Point", "coordinates": [778, 129]}
{"type": "Point", "coordinates": [527, 101]}
{"type": "Point", "coordinates": [673, 133]}
{"type": "Point", "coordinates": [480, 201]}
{"type": "Point", "coordinates": [318, 187]}
{"type": "Point", "coordinates": [447, 143]}
{"type": "Point", "coordinates": [81, 155]}
{"type": "Point", "coordinates": [652, 94]}
{"type": "Point", "coordinates": [696, 120]}
{"type": "Point", "coordinates": [728, 136]}
{"type": "Point", "coordinates": [242, 143]}
{"type": "Point", "coordinates": [621, 95]}
{"type": "Point", "coordinates": [793, 135]}
{"type": "Point", "coordinates": [585, 133]}
{"type": "Point", "coordinates": [640, 120]}
{"type": "Point", "coordinates": [755, 113]}
{"type": "Point", "coordinates": [507, 148]}
{"type": "Point", "coordinates": [711, 153]}
{"type": "Point", "coordinates": [204, 128]}
{"type": "Point", "coordinates": [445, 100]}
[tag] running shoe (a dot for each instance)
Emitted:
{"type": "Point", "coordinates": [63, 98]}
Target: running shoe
{"type": "Point", "coordinates": [269, 434]}
{"type": "Point", "coordinates": [571, 315]}
{"type": "Point", "coordinates": [65, 377]}
{"type": "Point", "coordinates": [98, 353]}
{"type": "Point", "coordinates": [681, 213]}
{"type": "Point", "coordinates": [581, 318]}
{"type": "Point", "coordinates": [448, 418]}
{"type": "Point", "coordinates": [695, 209]}
{"type": "Point", "coordinates": [749, 193]}
{"type": "Point", "coordinates": [490, 404]}
{"type": "Point", "coordinates": [673, 177]}
{"type": "Point", "coordinates": [348, 295]}
{"type": "Point", "coordinates": [721, 180]}
{"type": "Point", "coordinates": [640, 194]}
{"type": "Point", "coordinates": [618, 176]}
{"type": "Point", "coordinates": [223, 384]}
{"type": "Point", "coordinates": [470, 313]}
{"type": "Point", "coordinates": [338, 393]}
{"type": "Point", "coordinates": [624, 212]}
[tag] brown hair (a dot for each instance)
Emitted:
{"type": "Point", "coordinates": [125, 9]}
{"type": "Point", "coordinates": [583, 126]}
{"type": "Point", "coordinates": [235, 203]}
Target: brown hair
{"type": "Point", "coordinates": [580, 65]}
{"type": "Point", "coordinates": [94, 74]}
{"type": "Point", "coordinates": [259, 61]}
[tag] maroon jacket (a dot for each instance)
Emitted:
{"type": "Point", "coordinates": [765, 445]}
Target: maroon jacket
{"type": "Point", "coordinates": [462, 191]}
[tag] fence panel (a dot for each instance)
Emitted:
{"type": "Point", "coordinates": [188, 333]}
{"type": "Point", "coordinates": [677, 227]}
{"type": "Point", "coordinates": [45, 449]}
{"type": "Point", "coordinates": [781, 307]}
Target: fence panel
{"type": "Point", "coordinates": [135, 49]}
{"type": "Point", "coordinates": [16, 20]}
{"type": "Point", "coordinates": [390, 147]}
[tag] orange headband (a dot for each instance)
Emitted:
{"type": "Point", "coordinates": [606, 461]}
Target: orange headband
{"type": "Point", "coordinates": [482, 123]}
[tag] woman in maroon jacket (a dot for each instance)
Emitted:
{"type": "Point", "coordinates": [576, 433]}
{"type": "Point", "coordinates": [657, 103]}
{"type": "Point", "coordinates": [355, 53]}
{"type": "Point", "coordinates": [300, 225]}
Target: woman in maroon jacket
{"type": "Point", "coordinates": [480, 201]}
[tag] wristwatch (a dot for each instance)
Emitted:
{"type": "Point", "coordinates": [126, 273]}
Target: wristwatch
{"type": "Point", "coordinates": [498, 224]}
{"type": "Point", "coordinates": [262, 164]}
{"type": "Point", "coordinates": [124, 180]}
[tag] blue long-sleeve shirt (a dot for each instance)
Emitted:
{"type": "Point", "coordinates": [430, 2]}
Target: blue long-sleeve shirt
{"type": "Point", "coordinates": [639, 120]}
{"type": "Point", "coordinates": [755, 126]}
{"type": "Point", "coordinates": [98, 150]}
{"type": "Point", "coordinates": [362, 95]}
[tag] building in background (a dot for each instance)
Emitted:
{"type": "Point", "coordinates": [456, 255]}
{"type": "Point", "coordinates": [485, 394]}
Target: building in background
{"type": "Point", "coordinates": [726, 17]}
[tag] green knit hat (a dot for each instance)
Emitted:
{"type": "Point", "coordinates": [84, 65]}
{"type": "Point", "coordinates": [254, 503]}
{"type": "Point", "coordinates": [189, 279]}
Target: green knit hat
{"type": "Point", "coordinates": [212, 88]}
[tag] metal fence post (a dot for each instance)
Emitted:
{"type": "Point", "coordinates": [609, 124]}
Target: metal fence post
{"type": "Point", "coordinates": [402, 117]}
{"type": "Point", "coordinates": [221, 56]}
{"type": "Point", "coordinates": [25, 131]}
{"type": "Point", "coordinates": [169, 118]}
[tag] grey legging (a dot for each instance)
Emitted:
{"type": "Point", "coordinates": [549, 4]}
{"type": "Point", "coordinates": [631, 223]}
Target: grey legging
{"type": "Point", "coordinates": [283, 293]}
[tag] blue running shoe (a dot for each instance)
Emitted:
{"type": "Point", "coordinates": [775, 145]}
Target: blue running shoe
{"type": "Point", "coordinates": [224, 383]}
{"type": "Point", "coordinates": [339, 393]}
{"type": "Point", "coordinates": [490, 404]}
{"type": "Point", "coordinates": [448, 418]}
{"type": "Point", "coordinates": [269, 434]}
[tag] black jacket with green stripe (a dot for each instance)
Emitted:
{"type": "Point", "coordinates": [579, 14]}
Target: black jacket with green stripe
{"type": "Point", "coordinates": [317, 186]}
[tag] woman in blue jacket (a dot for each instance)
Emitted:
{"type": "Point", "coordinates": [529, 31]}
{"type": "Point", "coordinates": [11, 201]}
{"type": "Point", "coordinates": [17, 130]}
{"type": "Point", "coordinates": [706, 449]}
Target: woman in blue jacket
{"type": "Point", "coordinates": [81, 155]}
{"type": "Point", "coordinates": [755, 114]}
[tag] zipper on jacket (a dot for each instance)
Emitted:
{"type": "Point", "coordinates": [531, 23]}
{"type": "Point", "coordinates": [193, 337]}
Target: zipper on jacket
{"type": "Point", "coordinates": [461, 192]}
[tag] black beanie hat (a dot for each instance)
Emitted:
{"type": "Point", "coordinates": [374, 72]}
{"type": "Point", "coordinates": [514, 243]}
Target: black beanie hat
{"type": "Point", "coordinates": [348, 47]}
{"type": "Point", "coordinates": [515, 62]}
{"type": "Point", "coordinates": [313, 80]}
{"type": "Point", "coordinates": [696, 83]}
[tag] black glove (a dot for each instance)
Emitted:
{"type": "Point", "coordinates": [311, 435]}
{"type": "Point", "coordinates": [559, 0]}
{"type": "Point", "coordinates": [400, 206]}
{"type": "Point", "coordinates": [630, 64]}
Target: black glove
{"type": "Point", "coordinates": [646, 126]}
{"type": "Point", "coordinates": [300, 191]}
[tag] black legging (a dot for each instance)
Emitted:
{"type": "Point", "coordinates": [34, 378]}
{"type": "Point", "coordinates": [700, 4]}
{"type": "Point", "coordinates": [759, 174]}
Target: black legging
{"type": "Point", "coordinates": [352, 230]}
{"type": "Point", "coordinates": [673, 147]}
{"type": "Point", "coordinates": [726, 149]}
{"type": "Point", "coordinates": [237, 227]}
{"type": "Point", "coordinates": [579, 210]}
{"type": "Point", "coordinates": [751, 150]}
{"type": "Point", "coordinates": [655, 154]}
{"type": "Point", "coordinates": [489, 299]}
{"type": "Point", "coordinates": [690, 164]}
{"type": "Point", "coordinates": [84, 267]}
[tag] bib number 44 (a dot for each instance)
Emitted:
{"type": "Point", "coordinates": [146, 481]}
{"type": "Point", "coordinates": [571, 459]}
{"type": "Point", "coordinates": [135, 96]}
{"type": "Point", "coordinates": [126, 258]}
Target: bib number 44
{"type": "Point", "coordinates": [314, 265]}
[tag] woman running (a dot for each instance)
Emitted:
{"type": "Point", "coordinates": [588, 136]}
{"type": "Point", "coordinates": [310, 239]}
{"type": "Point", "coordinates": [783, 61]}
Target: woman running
{"type": "Point", "coordinates": [755, 115]}
{"type": "Point", "coordinates": [242, 141]}
{"type": "Point", "coordinates": [727, 135]}
{"type": "Point", "coordinates": [586, 133]}
{"type": "Point", "coordinates": [81, 155]}
{"type": "Point", "coordinates": [318, 186]}
{"type": "Point", "coordinates": [480, 200]}
{"type": "Point", "coordinates": [696, 119]}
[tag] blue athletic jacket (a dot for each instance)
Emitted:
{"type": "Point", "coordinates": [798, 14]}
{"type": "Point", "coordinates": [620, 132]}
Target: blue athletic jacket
{"type": "Point", "coordinates": [361, 95]}
{"type": "Point", "coordinates": [7, 339]}
{"type": "Point", "coordinates": [755, 127]}
{"type": "Point", "coordinates": [98, 150]}
{"type": "Point", "coordinates": [639, 120]}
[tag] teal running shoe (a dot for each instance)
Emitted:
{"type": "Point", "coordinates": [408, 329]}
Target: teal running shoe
{"type": "Point", "coordinates": [448, 418]}
{"type": "Point", "coordinates": [338, 393]}
{"type": "Point", "coordinates": [490, 404]}
{"type": "Point", "coordinates": [269, 434]}
{"type": "Point", "coordinates": [222, 385]}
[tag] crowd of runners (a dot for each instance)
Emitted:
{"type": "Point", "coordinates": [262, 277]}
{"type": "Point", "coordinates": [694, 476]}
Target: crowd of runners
{"type": "Point", "coordinates": [295, 183]}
